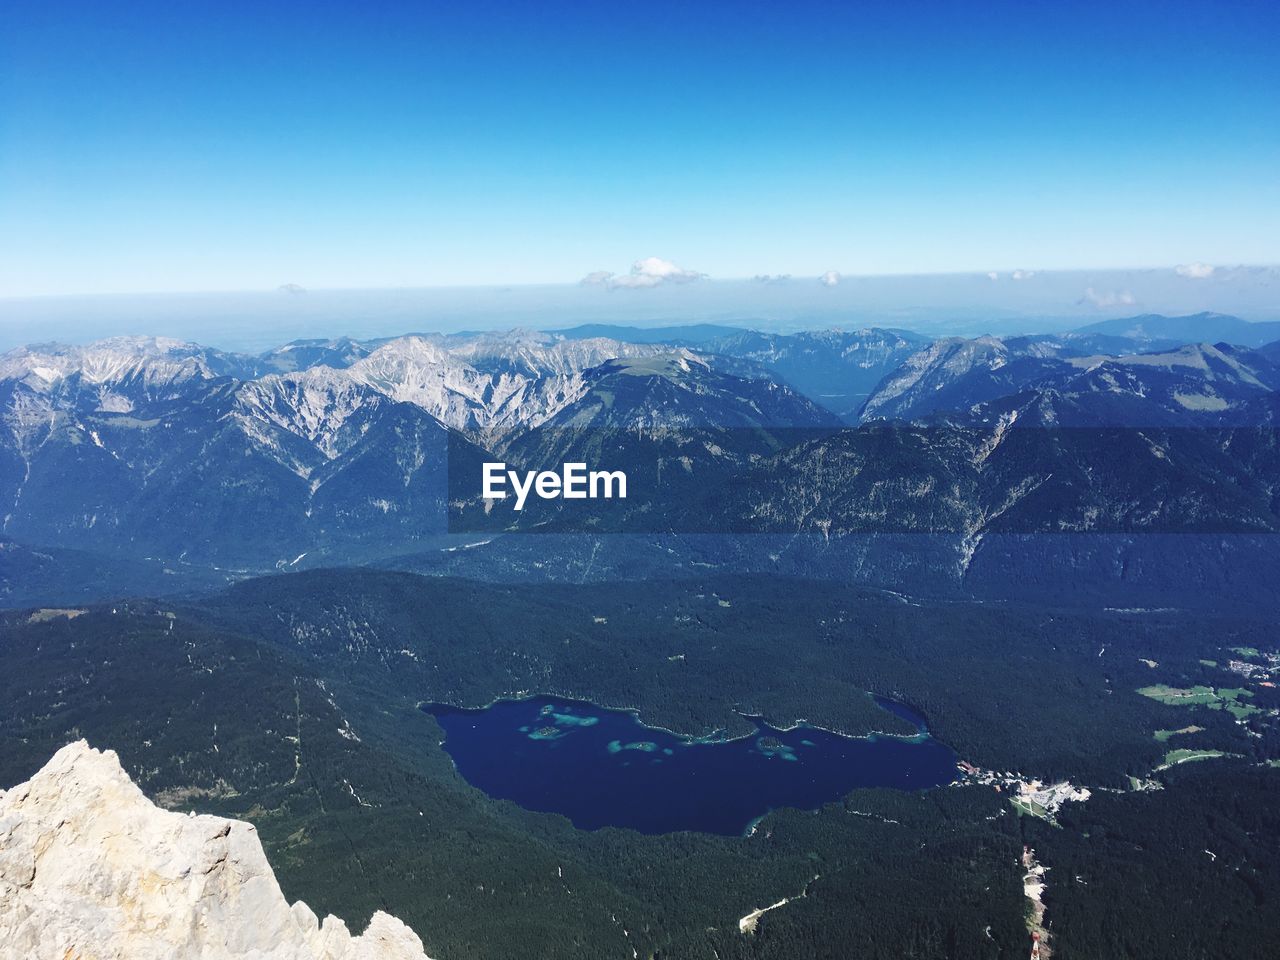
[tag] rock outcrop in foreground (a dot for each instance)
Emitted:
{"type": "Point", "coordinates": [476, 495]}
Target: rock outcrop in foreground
{"type": "Point", "coordinates": [90, 869]}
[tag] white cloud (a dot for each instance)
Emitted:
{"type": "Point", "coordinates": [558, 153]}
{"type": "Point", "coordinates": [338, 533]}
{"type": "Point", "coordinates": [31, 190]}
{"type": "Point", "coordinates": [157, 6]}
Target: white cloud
{"type": "Point", "coordinates": [1023, 274]}
{"type": "Point", "coordinates": [293, 288]}
{"type": "Point", "coordinates": [993, 275]}
{"type": "Point", "coordinates": [663, 270]}
{"type": "Point", "coordinates": [1110, 298]}
{"type": "Point", "coordinates": [830, 278]}
{"type": "Point", "coordinates": [1194, 271]}
{"type": "Point", "coordinates": [647, 272]}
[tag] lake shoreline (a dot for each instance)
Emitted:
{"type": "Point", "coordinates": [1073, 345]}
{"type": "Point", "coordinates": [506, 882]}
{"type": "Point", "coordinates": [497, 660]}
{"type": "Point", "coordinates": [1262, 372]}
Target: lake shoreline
{"type": "Point", "coordinates": [760, 721]}
{"type": "Point", "coordinates": [605, 767]}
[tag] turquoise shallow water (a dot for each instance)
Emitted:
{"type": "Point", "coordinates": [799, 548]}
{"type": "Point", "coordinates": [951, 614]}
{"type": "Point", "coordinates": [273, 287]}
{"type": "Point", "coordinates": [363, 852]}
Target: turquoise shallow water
{"type": "Point", "coordinates": [604, 768]}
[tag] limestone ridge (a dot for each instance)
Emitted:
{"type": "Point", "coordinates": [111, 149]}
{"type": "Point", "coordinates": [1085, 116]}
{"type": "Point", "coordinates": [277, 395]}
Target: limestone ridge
{"type": "Point", "coordinates": [90, 869]}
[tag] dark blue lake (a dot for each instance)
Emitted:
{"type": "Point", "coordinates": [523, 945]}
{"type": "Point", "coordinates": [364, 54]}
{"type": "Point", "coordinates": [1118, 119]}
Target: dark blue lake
{"type": "Point", "coordinates": [604, 768]}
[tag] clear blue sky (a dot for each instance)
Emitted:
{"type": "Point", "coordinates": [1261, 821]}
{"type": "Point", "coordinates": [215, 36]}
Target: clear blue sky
{"type": "Point", "coordinates": [221, 146]}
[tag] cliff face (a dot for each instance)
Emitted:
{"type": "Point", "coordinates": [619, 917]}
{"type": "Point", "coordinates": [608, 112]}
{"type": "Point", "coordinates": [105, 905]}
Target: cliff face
{"type": "Point", "coordinates": [90, 869]}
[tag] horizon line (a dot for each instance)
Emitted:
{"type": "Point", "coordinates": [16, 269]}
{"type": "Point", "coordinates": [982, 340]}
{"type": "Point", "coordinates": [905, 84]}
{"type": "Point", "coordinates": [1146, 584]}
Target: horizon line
{"type": "Point", "coordinates": [282, 288]}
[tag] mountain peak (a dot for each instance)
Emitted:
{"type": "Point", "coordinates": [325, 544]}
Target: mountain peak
{"type": "Point", "coordinates": [155, 360]}
{"type": "Point", "coordinates": [90, 867]}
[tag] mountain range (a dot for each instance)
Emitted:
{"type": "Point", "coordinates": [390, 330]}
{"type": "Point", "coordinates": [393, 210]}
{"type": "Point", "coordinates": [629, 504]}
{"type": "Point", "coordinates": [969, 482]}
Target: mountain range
{"type": "Point", "coordinates": [202, 463]}
{"type": "Point", "coordinates": [1193, 383]}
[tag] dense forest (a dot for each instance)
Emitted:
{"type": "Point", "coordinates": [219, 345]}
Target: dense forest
{"type": "Point", "coordinates": [352, 825]}
{"type": "Point", "coordinates": [1190, 871]}
{"type": "Point", "coordinates": [291, 702]}
{"type": "Point", "coordinates": [782, 649]}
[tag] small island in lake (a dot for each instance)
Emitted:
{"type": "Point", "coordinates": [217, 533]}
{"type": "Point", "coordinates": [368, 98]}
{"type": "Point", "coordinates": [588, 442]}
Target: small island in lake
{"type": "Point", "coordinates": [771, 746]}
{"type": "Point", "coordinates": [647, 746]}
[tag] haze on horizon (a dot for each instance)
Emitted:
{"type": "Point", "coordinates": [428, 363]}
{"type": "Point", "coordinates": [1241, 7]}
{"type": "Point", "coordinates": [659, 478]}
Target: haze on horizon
{"type": "Point", "coordinates": [214, 147]}
{"type": "Point", "coordinates": [936, 305]}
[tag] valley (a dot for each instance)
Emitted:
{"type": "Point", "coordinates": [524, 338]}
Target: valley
{"type": "Point", "coordinates": [821, 663]}
{"type": "Point", "coordinates": [309, 684]}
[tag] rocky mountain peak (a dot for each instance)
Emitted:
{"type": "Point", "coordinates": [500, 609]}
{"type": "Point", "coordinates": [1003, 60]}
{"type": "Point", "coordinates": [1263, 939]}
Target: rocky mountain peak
{"type": "Point", "coordinates": [90, 868]}
{"type": "Point", "coordinates": [148, 362]}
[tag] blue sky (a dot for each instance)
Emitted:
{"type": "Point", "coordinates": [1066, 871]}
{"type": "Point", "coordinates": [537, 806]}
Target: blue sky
{"type": "Point", "coordinates": [237, 146]}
